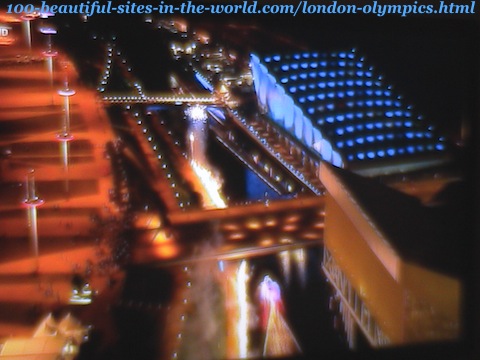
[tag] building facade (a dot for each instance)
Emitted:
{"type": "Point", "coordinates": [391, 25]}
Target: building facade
{"type": "Point", "coordinates": [380, 290]}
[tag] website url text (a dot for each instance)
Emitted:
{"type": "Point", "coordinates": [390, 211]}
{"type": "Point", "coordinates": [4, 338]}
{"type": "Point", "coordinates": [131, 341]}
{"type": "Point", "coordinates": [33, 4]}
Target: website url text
{"type": "Point", "coordinates": [303, 7]}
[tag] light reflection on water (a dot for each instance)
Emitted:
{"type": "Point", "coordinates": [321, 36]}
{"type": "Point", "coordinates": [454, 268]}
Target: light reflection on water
{"type": "Point", "coordinates": [230, 318]}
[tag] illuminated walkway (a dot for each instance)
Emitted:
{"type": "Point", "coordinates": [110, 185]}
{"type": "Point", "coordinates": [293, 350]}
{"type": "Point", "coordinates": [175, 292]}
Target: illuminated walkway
{"type": "Point", "coordinates": [73, 196]}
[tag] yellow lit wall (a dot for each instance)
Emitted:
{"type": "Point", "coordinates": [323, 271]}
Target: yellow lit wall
{"type": "Point", "coordinates": [437, 301]}
{"type": "Point", "coordinates": [421, 305]}
{"type": "Point", "coordinates": [376, 287]}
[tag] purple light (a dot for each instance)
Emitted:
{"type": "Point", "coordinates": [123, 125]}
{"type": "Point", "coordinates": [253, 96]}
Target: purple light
{"type": "Point", "coordinates": [64, 137]}
{"type": "Point", "coordinates": [50, 53]}
{"type": "Point", "coordinates": [269, 290]}
{"type": "Point", "coordinates": [48, 30]}
{"type": "Point", "coordinates": [66, 92]}
{"type": "Point", "coordinates": [46, 14]}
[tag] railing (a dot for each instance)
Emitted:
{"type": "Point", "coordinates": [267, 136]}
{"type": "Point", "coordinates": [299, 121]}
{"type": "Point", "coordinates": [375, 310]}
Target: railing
{"type": "Point", "coordinates": [154, 99]}
{"type": "Point", "coordinates": [303, 176]}
{"type": "Point", "coordinates": [353, 310]}
{"type": "Point", "coordinates": [275, 177]}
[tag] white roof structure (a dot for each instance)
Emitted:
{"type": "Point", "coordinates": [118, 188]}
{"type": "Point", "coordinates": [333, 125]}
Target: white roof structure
{"type": "Point", "coordinates": [50, 340]}
{"type": "Point", "coordinates": [339, 107]}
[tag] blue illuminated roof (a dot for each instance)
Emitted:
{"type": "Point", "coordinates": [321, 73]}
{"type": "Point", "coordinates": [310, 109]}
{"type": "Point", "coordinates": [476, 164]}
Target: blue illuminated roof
{"type": "Point", "coordinates": [360, 115]}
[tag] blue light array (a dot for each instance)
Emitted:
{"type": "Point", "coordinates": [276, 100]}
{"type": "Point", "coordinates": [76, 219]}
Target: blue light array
{"type": "Point", "coordinates": [352, 106]}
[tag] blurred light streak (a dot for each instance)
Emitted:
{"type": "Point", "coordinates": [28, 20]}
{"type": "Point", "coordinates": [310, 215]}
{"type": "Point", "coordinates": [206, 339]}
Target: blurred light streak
{"type": "Point", "coordinates": [211, 185]}
{"type": "Point", "coordinates": [285, 264]}
{"type": "Point", "coordinates": [300, 258]}
{"type": "Point", "coordinates": [242, 299]}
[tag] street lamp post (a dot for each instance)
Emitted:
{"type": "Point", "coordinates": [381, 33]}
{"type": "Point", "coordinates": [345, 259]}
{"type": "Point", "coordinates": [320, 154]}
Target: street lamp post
{"type": "Point", "coordinates": [32, 201]}
{"type": "Point", "coordinates": [66, 93]}
{"type": "Point", "coordinates": [27, 28]}
{"type": "Point", "coordinates": [49, 53]}
{"type": "Point", "coordinates": [64, 137]}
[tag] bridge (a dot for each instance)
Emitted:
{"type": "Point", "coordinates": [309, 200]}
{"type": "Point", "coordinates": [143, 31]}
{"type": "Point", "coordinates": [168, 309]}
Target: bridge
{"type": "Point", "coordinates": [166, 98]}
{"type": "Point", "coordinates": [242, 230]}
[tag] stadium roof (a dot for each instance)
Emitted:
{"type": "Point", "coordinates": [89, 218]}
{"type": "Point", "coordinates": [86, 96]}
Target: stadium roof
{"type": "Point", "coordinates": [362, 118]}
